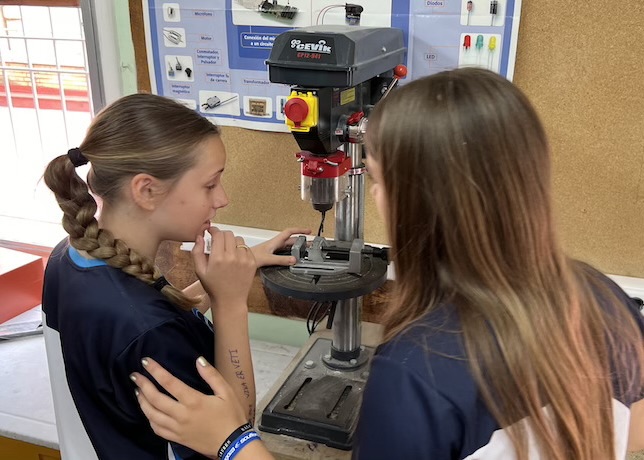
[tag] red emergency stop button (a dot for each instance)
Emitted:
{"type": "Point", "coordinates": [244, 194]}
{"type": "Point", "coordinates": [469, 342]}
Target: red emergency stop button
{"type": "Point", "coordinates": [296, 110]}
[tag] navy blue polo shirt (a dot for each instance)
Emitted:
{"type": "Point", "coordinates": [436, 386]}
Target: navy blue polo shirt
{"type": "Point", "coordinates": [104, 321]}
{"type": "Point", "coordinates": [421, 400]}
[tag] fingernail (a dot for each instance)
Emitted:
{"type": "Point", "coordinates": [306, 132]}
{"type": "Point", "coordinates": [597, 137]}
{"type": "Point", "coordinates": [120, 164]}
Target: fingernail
{"type": "Point", "coordinates": [293, 261]}
{"type": "Point", "coordinates": [136, 392]}
{"type": "Point", "coordinates": [145, 362]}
{"type": "Point", "coordinates": [202, 361]}
{"type": "Point", "coordinates": [133, 377]}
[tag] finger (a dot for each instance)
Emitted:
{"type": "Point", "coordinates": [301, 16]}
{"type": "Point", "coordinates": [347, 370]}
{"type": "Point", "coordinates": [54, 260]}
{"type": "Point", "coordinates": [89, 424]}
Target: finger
{"type": "Point", "coordinates": [217, 247]}
{"type": "Point", "coordinates": [154, 415]}
{"type": "Point", "coordinates": [172, 385]}
{"type": "Point", "coordinates": [198, 256]}
{"type": "Point", "coordinates": [240, 244]}
{"type": "Point", "coordinates": [286, 238]}
{"type": "Point", "coordinates": [280, 260]}
{"type": "Point", "coordinates": [160, 401]}
{"type": "Point", "coordinates": [213, 378]}
{"type": "Point", "coordinates": [296, 230]}
{"type": "Point", "coordinates": [230, 243]}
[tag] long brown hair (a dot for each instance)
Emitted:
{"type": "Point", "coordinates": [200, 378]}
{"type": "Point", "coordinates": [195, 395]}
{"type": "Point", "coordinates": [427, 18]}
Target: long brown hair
{"type": "Point", "coordinates": [466, 171]}
{"type": "Point", "coordinates": [140, 133]}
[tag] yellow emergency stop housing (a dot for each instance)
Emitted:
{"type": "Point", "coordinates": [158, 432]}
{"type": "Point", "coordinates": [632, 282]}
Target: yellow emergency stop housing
{"type": "Point", "coordinates": [311, 119]}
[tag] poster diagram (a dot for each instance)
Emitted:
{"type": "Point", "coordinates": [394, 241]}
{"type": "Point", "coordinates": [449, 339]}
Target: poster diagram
{"type": "Point", "coordinates": [210, 54]}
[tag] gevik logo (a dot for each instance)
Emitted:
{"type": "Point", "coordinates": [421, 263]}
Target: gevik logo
{"type": "Point", "coordinates": [319, 47]}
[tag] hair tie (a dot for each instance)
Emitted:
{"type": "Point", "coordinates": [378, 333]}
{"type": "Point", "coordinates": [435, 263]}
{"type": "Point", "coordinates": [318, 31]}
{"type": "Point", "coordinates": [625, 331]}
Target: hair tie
{"type": "Point", "coordinates": [160, 283]}
{"type": "Point", "coordinates": [76, 157]}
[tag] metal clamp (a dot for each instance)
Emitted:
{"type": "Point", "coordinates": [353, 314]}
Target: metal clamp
{"type": "Point", "coordinates": [317, 260]}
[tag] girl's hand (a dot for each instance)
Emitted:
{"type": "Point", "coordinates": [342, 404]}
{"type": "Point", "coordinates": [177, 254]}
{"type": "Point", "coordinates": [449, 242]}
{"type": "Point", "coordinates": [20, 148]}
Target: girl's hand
{"type": "Point", "coordinates": [227, 273]}
{"type": "Point", "coordinates": [264, 253]}
{"type": "Point", "coordinates": [195, 420]}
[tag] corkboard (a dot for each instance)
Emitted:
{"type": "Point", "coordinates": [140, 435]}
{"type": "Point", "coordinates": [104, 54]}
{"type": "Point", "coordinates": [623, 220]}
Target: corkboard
{"type": "Point", "coordinates": [582, 68]}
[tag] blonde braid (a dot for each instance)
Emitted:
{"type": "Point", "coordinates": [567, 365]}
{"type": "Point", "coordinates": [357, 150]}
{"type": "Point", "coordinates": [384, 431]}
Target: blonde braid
{"type": "Point", "coordinates": [79, 208]}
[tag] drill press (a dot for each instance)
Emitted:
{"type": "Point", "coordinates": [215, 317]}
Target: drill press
{"type": "Point", "coordinates": [336, 74]}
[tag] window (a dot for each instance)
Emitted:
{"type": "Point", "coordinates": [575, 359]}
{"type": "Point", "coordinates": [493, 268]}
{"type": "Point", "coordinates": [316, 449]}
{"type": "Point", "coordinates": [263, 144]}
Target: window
{"type": "Point", "coordinates": [45, 100]}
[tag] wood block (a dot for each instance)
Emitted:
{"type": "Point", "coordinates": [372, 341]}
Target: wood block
{"type": "Point", "coordinates": [21, 282]}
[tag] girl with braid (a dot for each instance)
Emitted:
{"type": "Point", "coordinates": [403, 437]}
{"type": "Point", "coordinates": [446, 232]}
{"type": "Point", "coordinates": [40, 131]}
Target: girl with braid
{"type": "Point", "coordinates": [156, 168]}
{"type": "Point", "coordinates": [496, 344]}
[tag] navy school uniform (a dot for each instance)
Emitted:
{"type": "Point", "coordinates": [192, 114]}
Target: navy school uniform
{"type": "Point", "coordinates": [99, 323]}
{"type": "Point", "coordinates": [421, 404]}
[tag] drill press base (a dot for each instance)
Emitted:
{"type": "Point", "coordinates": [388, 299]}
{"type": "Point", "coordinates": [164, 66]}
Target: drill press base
{"type": "Point", "coordinates": [318, 403]}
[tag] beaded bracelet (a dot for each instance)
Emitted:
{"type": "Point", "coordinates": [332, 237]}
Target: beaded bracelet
{"type": "Point", "coordinates": [233, 437]}
{"type": "Point", "coordinates": [239, 444]}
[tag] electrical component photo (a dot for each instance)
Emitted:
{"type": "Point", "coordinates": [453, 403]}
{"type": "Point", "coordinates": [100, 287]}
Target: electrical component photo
{"type": "Point", "coordinates": [213, 102]}
{"type": "Point", "coordinates": [179, 68]}
{"type": "Point", "coordinates": [491, 46]}
{"type": "Point", "coordinates": [173, 36]}
{"type": "Point", "coordinates": [479, 48]}
{"type": "Point", "coordinates": [171, 12]}
{"type": "Point", "coordinates": [494, 7]}
{"type": "Point", "coordinates": [487, 13]}
{"type": "Point", "coordinates": [257, 107]}
{"type": "Point", "coordinates": [467, 43]}
{"type": "Point", "coordinates": [326, 9]}
{"type": "Point", "coordinates": [275, 9]}
{"type": "Point", "coordinates": [352, 14]}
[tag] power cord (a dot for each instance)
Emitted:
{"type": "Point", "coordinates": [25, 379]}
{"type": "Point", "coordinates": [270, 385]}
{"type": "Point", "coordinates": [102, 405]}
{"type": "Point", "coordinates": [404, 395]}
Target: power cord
{"type": "Point", "coordinates": [314, 318]}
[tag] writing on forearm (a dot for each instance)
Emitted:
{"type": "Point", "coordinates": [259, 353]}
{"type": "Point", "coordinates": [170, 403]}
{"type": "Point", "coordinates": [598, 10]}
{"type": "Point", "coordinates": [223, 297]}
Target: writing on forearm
{"type": "Point", "coordinates": [246, 389]}
{"type": "Point", "coordinates": [234, 358]}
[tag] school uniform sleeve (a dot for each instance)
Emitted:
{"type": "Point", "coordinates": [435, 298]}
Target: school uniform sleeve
{"type": "Point", "coordinates": [629, 395]}
{"type": "Point", "coordinates": [172, 345]}
{"type": "Point", "coordinates": [404, 417]}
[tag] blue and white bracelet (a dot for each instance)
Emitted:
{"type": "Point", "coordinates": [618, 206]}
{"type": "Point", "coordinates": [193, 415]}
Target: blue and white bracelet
{"type": "Point", "coordinates": [238, 444]}
{"type": "Point", "coordinates": [233, 437]}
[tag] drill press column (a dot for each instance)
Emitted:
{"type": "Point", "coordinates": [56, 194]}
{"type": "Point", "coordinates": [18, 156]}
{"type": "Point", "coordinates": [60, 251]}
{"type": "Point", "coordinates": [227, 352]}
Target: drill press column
{"type": "Point", "coordinates": [349, 225]}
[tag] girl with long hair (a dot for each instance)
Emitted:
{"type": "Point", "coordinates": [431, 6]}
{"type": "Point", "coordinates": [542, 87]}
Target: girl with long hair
{"type": "Point", "coordinates": [156, 168]}
{"type": "Point", "coordinates": [496, 344]}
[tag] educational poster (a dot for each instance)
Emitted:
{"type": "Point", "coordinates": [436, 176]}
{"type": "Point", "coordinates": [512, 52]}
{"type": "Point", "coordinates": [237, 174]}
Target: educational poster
{"type": "Point", "coordinates": [210, 54]}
